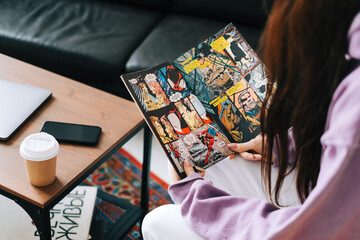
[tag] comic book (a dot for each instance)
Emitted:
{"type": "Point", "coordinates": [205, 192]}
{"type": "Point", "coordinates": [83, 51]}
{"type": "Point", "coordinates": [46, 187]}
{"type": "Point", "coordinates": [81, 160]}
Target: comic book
{"type": "Point", "coordinates": [207, 98]}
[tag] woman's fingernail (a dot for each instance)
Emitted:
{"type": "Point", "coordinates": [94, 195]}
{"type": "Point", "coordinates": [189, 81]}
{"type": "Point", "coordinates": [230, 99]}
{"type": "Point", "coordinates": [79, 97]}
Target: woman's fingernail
{"type": "Point", "coordinates": [231, 145]}
{"type": "Point", "coordinates": [257, 156]}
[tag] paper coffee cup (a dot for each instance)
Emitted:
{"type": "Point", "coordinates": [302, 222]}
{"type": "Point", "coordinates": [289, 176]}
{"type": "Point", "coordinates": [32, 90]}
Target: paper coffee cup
{"type": "Point", "coordinates": [40, 151]}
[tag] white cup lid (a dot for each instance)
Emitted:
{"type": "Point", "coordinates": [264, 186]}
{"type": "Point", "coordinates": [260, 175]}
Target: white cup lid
{"type": "Point", "coordinates": [39, 146]}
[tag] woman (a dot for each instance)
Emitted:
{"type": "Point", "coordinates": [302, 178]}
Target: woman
{"type": "Point", "coordinates": [312, 128]}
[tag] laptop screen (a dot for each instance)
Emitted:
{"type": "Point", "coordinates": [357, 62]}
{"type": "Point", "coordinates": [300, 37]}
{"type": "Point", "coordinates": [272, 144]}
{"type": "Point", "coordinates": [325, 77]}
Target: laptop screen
{"type": "Point", "coordinates": [17, 103]}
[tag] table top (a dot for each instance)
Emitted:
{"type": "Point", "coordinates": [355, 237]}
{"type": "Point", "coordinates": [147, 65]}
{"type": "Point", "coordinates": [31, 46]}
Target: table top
{"type": "Point", "coordinates": [71, 102]}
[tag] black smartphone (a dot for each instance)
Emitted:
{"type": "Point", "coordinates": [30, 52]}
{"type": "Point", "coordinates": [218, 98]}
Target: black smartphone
{"type": "Point", "coordinates": [72, 133]}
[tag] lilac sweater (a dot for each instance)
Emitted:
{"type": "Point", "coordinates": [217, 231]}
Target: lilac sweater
{"type": "Point", "coordinates": [331, 211]}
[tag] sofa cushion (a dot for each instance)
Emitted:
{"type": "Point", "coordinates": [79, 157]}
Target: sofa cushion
{"type": "Point", "coordinates": [158, 5]}
{"type": "Point", "coordinates": [88, 41]}
{"type": "Point", "coordinates": [243, 12]}
{"type": "Point", "coordinates": [175, 35]}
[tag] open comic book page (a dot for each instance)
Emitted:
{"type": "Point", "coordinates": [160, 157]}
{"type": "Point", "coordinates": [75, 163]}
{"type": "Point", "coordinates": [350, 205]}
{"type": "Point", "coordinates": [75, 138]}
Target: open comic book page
{"type": "Point", "coordinates": [177, 118]}
{"type": "Point", "coordinates": [229, 80]}
{"type": "Point", "coordinates": [208, 97]}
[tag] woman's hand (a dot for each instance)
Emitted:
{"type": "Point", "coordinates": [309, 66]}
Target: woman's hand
{"type": "Point", "coordinates": [188, 170]}
{"type": "Point", "coordinates": [251, 150]}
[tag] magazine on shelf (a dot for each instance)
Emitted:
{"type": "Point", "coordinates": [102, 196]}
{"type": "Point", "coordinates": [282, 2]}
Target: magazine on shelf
{"type": "Point", "coordinates": [208, 97]}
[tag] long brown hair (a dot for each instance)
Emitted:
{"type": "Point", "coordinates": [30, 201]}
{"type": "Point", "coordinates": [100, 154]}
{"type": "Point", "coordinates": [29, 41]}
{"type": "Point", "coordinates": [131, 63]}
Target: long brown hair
{"type": "Point", "coordinates": [303, 47]}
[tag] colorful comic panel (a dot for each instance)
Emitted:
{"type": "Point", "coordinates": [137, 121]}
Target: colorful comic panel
{"type": "Point", "coordinates": [170, 115]}
{"type": "Point", "coordinates": [233, 120]}
{"type": "Point", "coordinates": [239, 51]}
{"type": "Point", "coordinates": [207, 146]}
{"type": "Point", "coordinates": [178, 153]}
{"type": "Point", "coordinates": [164, 128]}
{"type": "Point", "coordinates": [207, 73]}
{"type": "Point", "coordinates": [245, 99]}
{"type": "Point", "coordinates": [189, 113]}
{"type": "Point", "coordinates": [248, 103]}
{"type": "Point", "coordinates": [257, 79]}
{"type": "Point", "coordinates": [173, 82]}
{"type": "Point", "coordinates": [149, 92]}
{"type": "Point", "coordinates": [200, 109]}
{"type": "Point", "coordinates": [161, 75]}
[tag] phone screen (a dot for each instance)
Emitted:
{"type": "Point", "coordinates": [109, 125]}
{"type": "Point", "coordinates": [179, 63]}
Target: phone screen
{"type": "Point", "coordinates": [72, 133]}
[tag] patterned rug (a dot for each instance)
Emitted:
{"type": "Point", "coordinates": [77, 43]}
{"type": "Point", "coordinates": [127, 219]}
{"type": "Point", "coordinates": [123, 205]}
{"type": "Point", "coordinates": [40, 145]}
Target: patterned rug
{"type": "Point", "coordinates": [121, 176]}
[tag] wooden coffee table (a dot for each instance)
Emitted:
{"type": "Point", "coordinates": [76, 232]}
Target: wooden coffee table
{"type": "Point", "coordinates": [71, 102]}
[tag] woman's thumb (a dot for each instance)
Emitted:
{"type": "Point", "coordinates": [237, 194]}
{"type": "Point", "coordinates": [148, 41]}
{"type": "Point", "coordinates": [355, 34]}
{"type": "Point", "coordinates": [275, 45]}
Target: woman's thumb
{"type": "Point", "coordinates": [188, 167]}
{"type": "Point", "coordinates": [241, 147]}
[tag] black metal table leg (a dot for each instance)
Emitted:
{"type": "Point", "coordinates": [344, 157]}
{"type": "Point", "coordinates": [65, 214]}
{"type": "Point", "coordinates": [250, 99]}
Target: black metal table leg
{"type": "Point", "coordinates": [42, 222]}
{"type": "Point", "coordinates": [144, 204]}
{"type": "Point", "coordinates": [133, 213]}
{"type": "Point", "coordinates": [40, 216]}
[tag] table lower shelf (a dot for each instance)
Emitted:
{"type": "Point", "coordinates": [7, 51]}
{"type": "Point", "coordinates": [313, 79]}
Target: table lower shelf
{"type": "Point", "coordinates": [113, 217]}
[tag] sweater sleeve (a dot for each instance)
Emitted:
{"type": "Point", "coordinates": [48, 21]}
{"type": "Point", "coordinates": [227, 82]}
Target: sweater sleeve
{"type": "Point", "coordinates": [331, 211]}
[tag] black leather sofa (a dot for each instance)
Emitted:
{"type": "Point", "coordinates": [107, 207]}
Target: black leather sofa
{"type": "Point", "coordinates": [95, 41]}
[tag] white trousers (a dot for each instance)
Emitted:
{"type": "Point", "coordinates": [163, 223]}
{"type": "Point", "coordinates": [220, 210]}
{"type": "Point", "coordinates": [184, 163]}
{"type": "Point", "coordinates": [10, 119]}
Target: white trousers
{"type": "Point", "coordinates": [238, 177]}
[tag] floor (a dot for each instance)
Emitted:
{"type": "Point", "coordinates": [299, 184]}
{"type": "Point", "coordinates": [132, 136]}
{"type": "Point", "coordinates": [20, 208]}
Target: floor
{"type": "Point", "coordinates": [159, 160]}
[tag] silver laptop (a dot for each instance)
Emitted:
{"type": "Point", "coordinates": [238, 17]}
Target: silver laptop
{"type": "Point", "coordinates": [17, 103]}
